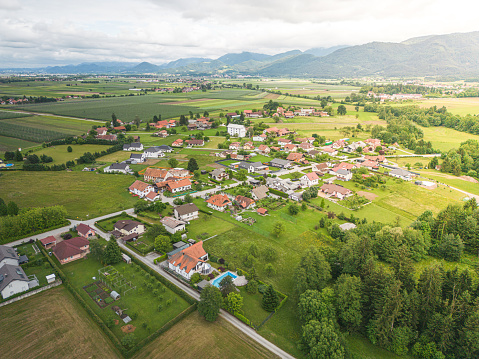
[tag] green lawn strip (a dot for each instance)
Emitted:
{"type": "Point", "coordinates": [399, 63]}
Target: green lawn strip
{"type": "Point", "coordinates": [61, 155]}
{"type": "Point", "coordinates": [82, 193]}
{"type": "Point", "coordinates": [252, 308]}
{"type": "Point", "coordinates": [206, 226]}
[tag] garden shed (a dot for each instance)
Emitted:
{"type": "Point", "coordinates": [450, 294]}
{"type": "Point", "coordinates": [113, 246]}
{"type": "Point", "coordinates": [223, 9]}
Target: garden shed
{"type": "Point", "coordinates": [114, 295]}
{"type": "Point", "coordinates": [126, 258]}
{"type": "Point", "coordinates": [50, 278]}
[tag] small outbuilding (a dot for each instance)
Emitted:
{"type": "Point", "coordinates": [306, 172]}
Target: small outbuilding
{"type": "Point", "coordinates": [50, 278]}
{"type": "Point", "coordinates": [126, 258]}
{"type": "Point", "coordinates": [114, 295]}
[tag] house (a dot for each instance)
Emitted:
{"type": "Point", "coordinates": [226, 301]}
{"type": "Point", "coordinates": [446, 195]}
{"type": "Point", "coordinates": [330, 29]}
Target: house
{"type": "Point", "coordinates": [252, 167]}
{"type": "Point", "coordinates": [288, 114]}
{"type": "Point", "coordinates": [85, 231]}
{"type": "Point", "coordinates": [343, 166]}
{"type": "Point", "coordinates": [320, 168]}
{"type": "Point", "coordinates": [329, 150]}
{"type": "Point", "coordinates": [165, 148]}
{"type": "Point", "coordinates": [72, 249]}
{"type": "Point", "coordinates": [236, 130]}
{"type": "Point", "coordinates": [309, 179]}
{"type": "Point", "coordinates": [195, 143]}
{"type": "Point", "coordinates": [338, 144]}
{"type": "Point", "coordinates": [295, 196]}
{"type": "Point", "coordinates": [178, 172]}
{"type": "Point", "coordinates": [260, 192]}
{"type": "Point", "coordinates": [117, 167]}
{"type": "Point", "coordinates": [262, 211]}
{"type": "Point", "coordinates": [248, 146]}
{"type": "Point", "coordinates": [278, 162]}
{"type": "Point", "coordinates": [245, 202]}
{"type": "Point", "coordinates": [402, 174]}
{"type": "Point", "coordinates": [106, 137]}
{"type": "Point", "coordinates": [219, 174]}
{"type": "Point", "coordinates": [8, 256]}
{"type": "Point", "coordinates": [234, 146]}
{"type": "Point", "coordinates": [219, 202]}
{"type": "Point", "coordinates": [179, 186]}
{"type": "Point", "coordinates": [141, 188]}
{"type": "Point", "coordinates": [154, 152]}
{"type": "Point", "coordinates": [162, 134]}
{"type": "Point", "coordinates": [373, 142]}
{"type": "Point", "coordinates": [290, 148]}
{"type": "Point", "coordinates": [101, 131]}
{"type": "Point", "coordinates": [120, 128]}
{"type": "Point", "coordinates": [190, 260]}
{"type": "Point", "coordinates": [370, 165]}
{"type": "Point", "coordinates": [306, 146]}
{"type": "Point", "coordinates": [343, 175]}
{"type": "Point", "coordinates": [48, 242]}
{"type": "Point", "coordinates": [335, 190]}
{"type": "Point", "coordinates": [295, 157]}
{"type": "Point", "coordinates": [264, 149]}
{"type": "Point", "coordinates": [13, 280]}
{"type": "Point", "coordinates": [260, 138]}
{"type": "Point", "coordinates": [283, 141]}
{"type": "Point", "coordinates": [173, 225]}
{"type": "Point", "coordinates": [177, 143]}
{"type": "Point", "coordinates": [136, 158]}
{"type": "Point", "coordinates": [284, 185]}
{"type": "Point", "coordinates": [186, 212]}
{"type": "Point", "coordinates": [152, 196]}
{"type": "Point", "coordinates": [128, 226]}
{"type": "Point", "coordinates": [135, 146]}
{"type": "Point", "coordinates": [155, 174]}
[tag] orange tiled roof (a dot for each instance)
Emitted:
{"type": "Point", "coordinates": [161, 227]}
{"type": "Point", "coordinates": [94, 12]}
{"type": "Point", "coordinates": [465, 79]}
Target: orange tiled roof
{"type": "Point", "coordinates": [219, 200]}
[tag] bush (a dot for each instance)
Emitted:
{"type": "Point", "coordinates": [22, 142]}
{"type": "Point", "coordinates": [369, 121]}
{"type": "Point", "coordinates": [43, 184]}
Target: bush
{"type": "Point", "coordinates": [262, 288]}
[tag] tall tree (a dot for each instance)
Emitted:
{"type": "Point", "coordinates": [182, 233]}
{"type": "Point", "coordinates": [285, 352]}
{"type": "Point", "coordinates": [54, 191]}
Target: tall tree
{"type": "Point", "coordinates": [210, 303]}
{"type": "Point", "coordinates": [322, 341]}
{"type": "Point", "coordinates": [315, 305]}
{"type": "Point", "coordinates": [12, 208]}
{"type": "Point", "coordinates": [270, 299]}
{"type": "Point", "coordinates": [233, 302]}
{"type": "Point", "coordinates": [313, 272]}
{"type": "Point", "coordinates": [112, 253]}
{"type": "Point", "coordinates": [227, 286]}
{"type": "Point", "coordinates": [173, 162]}
{"type": "Point", "coordinates": [162, 243]}
{"type": "Point", "coordinates": [192, 165]}
{"type": "Point", "coordinates": [348, 301]}
{"type": "Point", "coordinates": [3, 208]}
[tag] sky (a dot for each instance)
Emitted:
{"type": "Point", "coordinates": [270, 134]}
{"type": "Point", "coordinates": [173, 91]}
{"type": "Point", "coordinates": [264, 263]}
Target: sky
{"type": "Point", "coordinates": [37, 33]}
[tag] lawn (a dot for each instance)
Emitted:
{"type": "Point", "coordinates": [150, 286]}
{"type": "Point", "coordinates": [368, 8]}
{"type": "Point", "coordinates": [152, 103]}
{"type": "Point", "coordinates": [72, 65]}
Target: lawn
{"type": "Point", "coordinates": [84, 194]}
{"type": "Point", "coordinates": [207, 226]}
{"type": "Point", "coordinates": [444, 139]}
{"type": "Point", "coordinates": [217, 340]}
{"type": "Point", "coordinates": [51, 324]}
{"type": "Point", "coordinates": [108, 223]}
{"type": "Point", "coordinates": [140, 300]}
{"type": "Point", "coordinates": [252, 308]}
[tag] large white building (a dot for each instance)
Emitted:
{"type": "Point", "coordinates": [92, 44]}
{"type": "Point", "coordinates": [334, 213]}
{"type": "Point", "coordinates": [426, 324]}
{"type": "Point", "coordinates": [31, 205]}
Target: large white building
{"type": "Point", "coordinates": [236, 130]}
{"type": "Point", "coordinates": [13, 279]}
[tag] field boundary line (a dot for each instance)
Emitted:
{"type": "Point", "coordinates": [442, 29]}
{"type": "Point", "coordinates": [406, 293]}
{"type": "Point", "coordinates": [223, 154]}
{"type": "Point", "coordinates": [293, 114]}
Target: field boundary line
{"type": "Point", "coordinates": [26, 295]}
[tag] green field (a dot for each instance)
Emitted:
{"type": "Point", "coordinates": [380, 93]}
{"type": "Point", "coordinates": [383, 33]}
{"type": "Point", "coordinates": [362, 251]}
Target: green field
{"type": "Point", "coordinates": [444, 139]}
{"type": "Point", "coordinates": [61, 155]}
{"type": "Point", "coordinates": [84, 194]}
{"type": "Point", "coordinates": [140, 300]}
{"type": "Point", "coordinates": [11, 144]}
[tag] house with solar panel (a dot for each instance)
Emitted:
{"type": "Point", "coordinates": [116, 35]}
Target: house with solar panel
{"type": "Point", "coordinates": [13, 279]}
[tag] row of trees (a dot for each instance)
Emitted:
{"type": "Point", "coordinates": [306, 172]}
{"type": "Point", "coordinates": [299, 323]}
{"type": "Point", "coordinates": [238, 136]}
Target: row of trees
{"type": "Point", "coordinates": [8, 209]}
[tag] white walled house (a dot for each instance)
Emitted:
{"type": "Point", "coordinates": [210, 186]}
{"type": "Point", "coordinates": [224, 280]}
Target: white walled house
{"type": "Point", "coordinates": [236, 130]}
{"type": "Point", "coordinates": [117, 167]}
{"type": "Point", "coordinates": [141, 188]}
{"type": "Point", "coordinates": [154, 152]}
{"type": "Point", "coordinates": [173, 225]}
{"type": "Point", "coordinates": [8, 256]}
{"type": "Point", "coordinates": [190, 260]}
{"type": "Point", "coordinates": [309, 179]}
{"type": "Point", "coordinates": [186, 212]}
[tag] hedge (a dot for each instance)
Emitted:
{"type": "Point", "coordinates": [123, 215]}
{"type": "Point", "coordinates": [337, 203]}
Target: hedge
{"type": "Point", "coordinates": [278, 193]}
{"type": "Point", "coordinates": [244, 319]}
{"type": "Point", "coordinates": [161, 259]}
{"type": "Point", "coordinates": [140, 252]}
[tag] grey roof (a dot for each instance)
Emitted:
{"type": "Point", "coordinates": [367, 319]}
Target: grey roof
{"type": "Point", "coordinates": [23, 259]}
{"type": "Point", "coordinates": [171, 222]}
{"type": "Point", "coordinates": [127, 224]}
{"type": "Point", "coordinates": [204, 283]}
{"type": "Point", "coordinates": [165, 148]}
{"type": "Point", "coordinates": [347, 226]}
{"type": "Point", "coordinates": [153, 149]}
{"type": "Point", "coordinates": [126, 146]}
{"type": "Point", "coordinates": [186, 209]}
{"type": "Point", "coordinates": [9, 273]}
{"type": "Point", "coordinates": [118, 166]}
{"type": "Point", "coordinates": [136, 145]}
{"type": "Point", "coordinates": [178, 249]}
{"type": "Point", "coordinates": [136, 156]}
{"type": "Point", "coordinates": [400, 172]}
{"type": "Point", "coordinates": [343, 172]}
{"type": "Point", "coordinates": [7, 252]}
{"type": "Point", "coordinates": [279, 161]}
{"type": "Point", "coordinates": [257, 164]}
{"type": "Point", "coordinates": [217, 172]}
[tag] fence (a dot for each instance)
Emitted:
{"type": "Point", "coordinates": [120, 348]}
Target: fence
{"type": "Point", "coordinates": [13, 300]}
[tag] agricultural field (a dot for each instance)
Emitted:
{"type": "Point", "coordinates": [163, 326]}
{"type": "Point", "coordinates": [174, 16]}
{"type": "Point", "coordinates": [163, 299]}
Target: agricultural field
{"type": "Point", "coordinates": [51, 324]}
{"type": "Point", "coordinates": [216, 340]}
{"type": "Point", "coordinates": [459, 106]}
{"type": "Point", "coordinates": [444, 139]}
{"type": "Point", "coordinates": [61, 155]}
{"type": "Point", "coordinates": [141, 300]}
{"type": "Point", "coordinates": [79, 192]}
{"type": "Point", "coordinates": [11, 144]}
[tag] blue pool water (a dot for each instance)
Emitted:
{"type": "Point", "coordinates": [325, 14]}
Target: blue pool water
{"type": "Point", "coordinates": [9, 165]}
{"type": "Point", "coordinates": [216, 282]}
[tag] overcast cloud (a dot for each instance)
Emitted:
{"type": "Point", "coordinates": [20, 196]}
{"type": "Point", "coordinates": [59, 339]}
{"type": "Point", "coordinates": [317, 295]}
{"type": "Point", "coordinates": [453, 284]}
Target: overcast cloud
{"type": "Point", "coordinates": [50, 32]}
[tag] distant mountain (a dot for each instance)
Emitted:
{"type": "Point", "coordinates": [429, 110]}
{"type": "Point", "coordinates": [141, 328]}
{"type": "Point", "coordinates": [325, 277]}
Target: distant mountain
{"type": "Point", "coordinates": [144, 67]}
{"type": "Point", "coordinates": [184, 62]}
{"type": "Point", "coordinates": [323, 51]}
{"type": "Point", "coordinates": [233, 59]}
{"type": "Point", "coordinates": [89, 68]}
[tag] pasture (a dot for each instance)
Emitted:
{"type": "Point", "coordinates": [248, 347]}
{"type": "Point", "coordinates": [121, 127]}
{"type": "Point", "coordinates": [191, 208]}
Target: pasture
{"type": "Point", "coordinates": [51, 324]}
{"type": "Point", "coordinates": [84, 194]}
{"type": "Point", "coordinates": [459, 106]}
{"type": "Point", "coordinates": [444, 139]}
{"type": "Point", "coordinates": [61, 155]}
{"type": "Point", "coordinates": [11, 144]}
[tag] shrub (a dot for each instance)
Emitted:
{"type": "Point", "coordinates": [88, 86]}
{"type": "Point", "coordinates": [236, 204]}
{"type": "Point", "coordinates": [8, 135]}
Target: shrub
{"type": "Point", "coordinates": [262, 288]}
{"type": "Point", "coordinates": [160, 307]}
{"type": "Point", "coordinates": [252, 287]}
{"type": "Point", "coordinates": [221, 261]}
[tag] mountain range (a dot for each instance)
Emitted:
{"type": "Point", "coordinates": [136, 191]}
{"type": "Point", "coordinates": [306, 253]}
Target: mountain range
{"type": "Point", "coordinates": [453, 55]}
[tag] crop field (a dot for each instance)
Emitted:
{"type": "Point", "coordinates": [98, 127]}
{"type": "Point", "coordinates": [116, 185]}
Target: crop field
{"type": "Point", "coordinates": [215, 340]}
{"type": "Point", "coordinates": [444, 139]}
{"type": "Point", "coordinates": [11, 114]}
{"type": "Point", "coordinates": [51, 324]}
{"type": "Point", "coordinates": [80, 192]}
{"type": "Point", "coordinates": [458, 106]}
{"type": "Point", "coordinates": [61, 155]}
{"type": "Point", "coordinates": [10, 144]}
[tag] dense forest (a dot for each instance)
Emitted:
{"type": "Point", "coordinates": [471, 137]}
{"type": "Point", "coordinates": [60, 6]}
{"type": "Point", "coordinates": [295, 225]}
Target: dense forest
{"type": "Point", "coordinates": [373, 284]}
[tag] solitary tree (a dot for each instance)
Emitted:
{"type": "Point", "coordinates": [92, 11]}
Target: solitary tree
{"type": "Point", "coordinates": [192, 165]}
{"type": "Point", "coordinates": [210, 303]}
{"type": "Point", "coordinates": [341, 110]}
{"type": "Point", "coordinates": [270, 299]}
{"type": "Point", "coordinates": [233, 302]}
{"type": "Point", "coordinates": [278, 228]}
{"type": "Point", "coordinates": [173, 162]}
{"type": "Point", "coordinates": [69, 149]}
{"type": "Point", "coordinates": [227, 286]}
{"type": "Point", "coordinates": [12, 208]}
{"type": "Point", "coordinates": [112, 253]}
{"type": "Point", "coordinates": [162, 243]}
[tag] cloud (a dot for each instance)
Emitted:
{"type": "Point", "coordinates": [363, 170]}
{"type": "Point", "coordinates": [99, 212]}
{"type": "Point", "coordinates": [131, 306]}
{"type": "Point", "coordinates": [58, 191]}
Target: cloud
{"type": "Point", "coordinates": [56, 32]}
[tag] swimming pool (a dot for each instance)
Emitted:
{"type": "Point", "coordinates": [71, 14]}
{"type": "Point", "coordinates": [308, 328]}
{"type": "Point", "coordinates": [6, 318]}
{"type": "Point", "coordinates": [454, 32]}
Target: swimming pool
{"type": "Point", "coordinates": [216, 282]}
